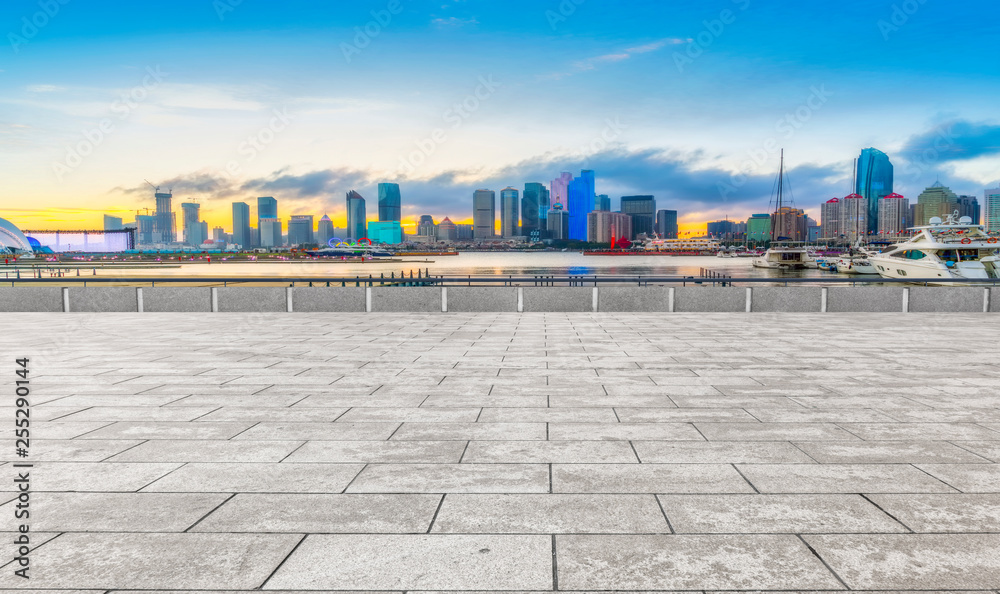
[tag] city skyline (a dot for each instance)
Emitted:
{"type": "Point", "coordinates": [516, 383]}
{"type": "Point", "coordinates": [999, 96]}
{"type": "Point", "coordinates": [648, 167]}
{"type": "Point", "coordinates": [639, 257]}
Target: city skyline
{"type": "Point", "coordinates": [672, 101]}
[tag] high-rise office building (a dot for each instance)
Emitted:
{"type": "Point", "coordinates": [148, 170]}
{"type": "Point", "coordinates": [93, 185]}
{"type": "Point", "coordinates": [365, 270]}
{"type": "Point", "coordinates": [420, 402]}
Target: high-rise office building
{"type": "Point", "coordinates": [604, 225]}
{"type": "Point", "coordinates": [144, 225]}
{"type": "Point", "coordinates": [558, 222]}
{"type": "Point", "coordinates": [389, 203]}
{"type": "Point", "coordinates": [534, 208]}
{"type": "Point", "coordinates": [484, 214]}
{"type": "Point", "coordinates": [241, 224]}
{"type": "Point", "coordinates": [426, 226]}
{"type": "Point", "coordinates": [112, 223]}
{"type": "Point", "coordinates": [968, 206]}
{"type": "Point", "coordinates": [218, 234]}
{"type": "Point", "coordinates": [666, 224]}
{"type": "Point", "coordinates": [642, 209]}
{"type": "Point", "coordinates": [581, 202]}
{"type": "Point", "coordinates": [357, 216]}
{"type": "Point", "coordinates": [875, 174]}
{"type": "Point", "coordinates": [191, 213]}
{"type": "Point", "coordinates": [602, 202]}
{"type": "Point", "coordinates": [267, 208]}
{"type": "Point", "coordinates": [558, 194]}
{"type": "Point", "coordinates": [447, 231]}
{"type": "Point", "coordinates": [325, 232]}
{"type": "Point", "coordinates": [300, 230]}
{"type": "Point", "coordinates": [509, 213]}
{"type": "Point", "coordinates": [759, 228]}
{"type": "Point", "coordinates": [270, 233]}
{"type": "Point", "coordinates": [465, 232]}
{"type": "Point", "coordinates": [991, 206]}
{"type": "Point", "coordinates": [935, 201]}
{"type": "Point", "coordinates": [164, 230]}
{"type": "Point", "coordinates": [893, 215]}
{"type": "Point", "coordinates": [725, 230]}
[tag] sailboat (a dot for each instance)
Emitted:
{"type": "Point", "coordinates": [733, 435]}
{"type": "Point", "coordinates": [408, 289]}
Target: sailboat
{"type": "Point", "coordinates": [856, 260]}
{"type": "Point", "coordinates": [783, 253]}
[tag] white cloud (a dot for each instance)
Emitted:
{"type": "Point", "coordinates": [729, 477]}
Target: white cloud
{"type": "Point", "coordinates": [44, 88]}
{"type": "Point", "coordinates": [593, 63]}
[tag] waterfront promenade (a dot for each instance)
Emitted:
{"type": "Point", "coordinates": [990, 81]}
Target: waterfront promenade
{"type": "Point", "coordinates": [506, 452]}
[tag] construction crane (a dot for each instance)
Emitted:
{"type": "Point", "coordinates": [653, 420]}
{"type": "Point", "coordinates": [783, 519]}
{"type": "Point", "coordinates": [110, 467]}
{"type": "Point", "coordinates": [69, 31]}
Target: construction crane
{"type": "Point", "coordinates": [155, 188]}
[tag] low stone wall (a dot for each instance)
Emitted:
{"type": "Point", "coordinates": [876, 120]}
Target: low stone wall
{"type": "Point", "coordinates": [500, 299]}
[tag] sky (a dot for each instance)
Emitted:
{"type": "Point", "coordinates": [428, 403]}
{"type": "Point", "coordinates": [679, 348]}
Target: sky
{"type": "Point", "coordinates": [227, 100]}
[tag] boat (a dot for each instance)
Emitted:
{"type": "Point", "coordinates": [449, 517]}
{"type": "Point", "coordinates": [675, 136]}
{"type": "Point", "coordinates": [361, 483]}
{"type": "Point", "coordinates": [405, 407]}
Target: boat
{"type": "Point", "coordinates": [783, 254]}
{"type": "Point", "coordinates": [855, 265]}
{"type": "Point", "coordinates": [827, 264]}
{"type": "Point", "coordinates": [366, 253]}
{"type": "Point", "coordinates": [953, 248]}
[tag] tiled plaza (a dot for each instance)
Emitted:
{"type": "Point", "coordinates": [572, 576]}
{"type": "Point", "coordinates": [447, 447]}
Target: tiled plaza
{"type": "Point", "coordinates": [505, 452]}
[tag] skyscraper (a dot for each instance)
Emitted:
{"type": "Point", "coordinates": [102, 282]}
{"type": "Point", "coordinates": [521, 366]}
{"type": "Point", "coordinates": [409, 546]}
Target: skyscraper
{"type": "Point", "coordinates": [558, 222]}
{"type": "Point", "coordinates": [893, 215]}
{"type": "Point", "coordinates": [581, 202]}
{"type": "Point", "coordinates": [112, 223]}
{"type": "Point", "coordinates": [642, 209]}
{"type": "Point", "coordinates": [991, 206]}
{"type": "Point", "coordinates": [192, 228]}
{"type": "Point", "coordinates": [325, 232]}
{"type": "Point", "coordinates": [447, 231]}
{"type": "Point", "coordinates": [267, 208]}
{"type": "Point", "coordinates": [602, 202]}
{"type": "Point", "coordinates": [666, 224]}
{"type": "Point", "coordinates": [830, 219]}
{"type": "Point", "coordinates": [163, 229]}
{"type": "Point", "coordinates": [270, 233]}
{"type": "Point", "coordinates": [241, 224]}
{"type": "Point", "coordinates": [789, 224]}
{"type": "Point", "coordinates": [426, 226]}
{"type": "Point", "coordinates": [759, 227]}
{"type": "Point", "coordinates": [509, 219]}
{"type": "Point", "coordinates": [357, 216]}
{"type": "Point", "coordinates": [935, 201]}
{"type": "Point", "coordinates": [874, 182]}
{"type": "Point", "coordinates": [534, 208]}
{"type": "Point", "coordinates": [854, 217]}
{"type": "Point", "coordinates": [560, 190]}
{"type": "Point", "coordinates": [968, 206]}
{"type": "Point", "coordinates": [484, 214]}
{"type": "Point", "coordinates": [389, 202]}
{"type": "Point", "coordinates": [603, 225]}
{"type": "Point", "coordinates": [300, 230]}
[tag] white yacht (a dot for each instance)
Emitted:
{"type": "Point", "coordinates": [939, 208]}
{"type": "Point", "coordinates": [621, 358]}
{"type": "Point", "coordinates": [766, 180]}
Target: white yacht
{"type": "Point", "coordinates": [854, 264]}
{"type": "Point", "coordinates": [784, 257]}
{"type": "Point", "coordinates": [953, 248]}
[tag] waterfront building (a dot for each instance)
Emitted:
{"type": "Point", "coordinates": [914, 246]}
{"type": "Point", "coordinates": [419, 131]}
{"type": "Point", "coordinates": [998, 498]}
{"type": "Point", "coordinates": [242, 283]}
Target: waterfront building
{"type": "Point", "coordinates": [447, 231]}
{"type": "Point", "coordinates": [219, 234]}
{"type": "Point", "coordinates": [357, 216]}
{"type": "Point", "coordinates": [241, 224]}
{"type": "Point", "coordinates": [874, 181]}
{"type": "Point", "coordinates": [559, 190]}
{"type": "Point", "coordinates": [534, 208]}
{"type": "Point", "coordinates": [191, 215]}
{"type": "Point", "coordinates": [854, 218]}
{"type": "Point", "coordinates": [270, 233]}
{"type": "Point", "coordinates": [789, 224]}
{"type": "Point", "coordinates": [386, 232]}
{"type": "Point", "coordinates": [300, 230]}
{"type": "Point", "coordinates": [666, 224]}
{"type": "Point", "coordinates": [465, 232]}
{"type": "Point", "coordinates": [484, 214]}
{"type": "Point", "coordinates": [830, 212]}
{"type": "Point", "coordinates": [935, 201]}
{"type": "Point", "coordinates": [426, 226]}
{"type": "Point", "coordinates": [991, 203]}
{"type": "Point", "coordinates": [813, 233]}
{"type": "Point", "coordinates": [325, 232]}
{"type": "Point", "coordinates": [557, 222]}
{"type": "Point", "coordinates": [509, 219]}
{"type": "Point", "coordinates": [112, 223]}
{"type": "Point", "coordinates": [893, 215]}
{"type": "Point", "coordinates": [603, 225]}
{"type": "Point", "coordinates": [642, 209]}
{"type": "Point", "coordinates": [389, 203]}
{"type": "Point", "coordinates": [164, 229]}
{"type": "Point", "coordinates": [602, 202]}
{"type": "Point", "coordinates": [968, 206]}
{"type": "Point", "coordinates": [725, 230]}
{"type": "Point", "coordinates": [759, 227]}
{"type": "Point", "coordinates": [580, 201]}
{"type": "Point", "coordinates": [267, 208]}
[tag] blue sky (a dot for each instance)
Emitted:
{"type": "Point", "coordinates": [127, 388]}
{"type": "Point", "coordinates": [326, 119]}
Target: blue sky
{"type": "Point", "coordinates": [684, 101]}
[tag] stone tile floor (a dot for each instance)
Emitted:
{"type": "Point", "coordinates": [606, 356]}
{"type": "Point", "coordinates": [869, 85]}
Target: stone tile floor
{"type": "Point", "coordinates": [504, 452]}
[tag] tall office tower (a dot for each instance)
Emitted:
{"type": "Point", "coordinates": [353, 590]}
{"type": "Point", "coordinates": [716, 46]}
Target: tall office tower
{"type": "Point", "coordinates": [725, 230]}
{"type": "Point", "coordinates": [270, 233]}
{"type": "Point", "coordinates": [112, 223]}
{"type": "Point", "coordinates": [144, 228]}
{"type": "Point", "coordinates": [874, 182]}
{"type": "Point", "coordinates": [447, 231]}
{"type": "Point", "coordinates": [164, 228]}
{"type": "Point", "coordinates": [893, 215]}
{"type": "Point", "coordinates": [484, 214]}
{"type": "Point", "coordinates": [991, 206]}
{"type": "Point", "coordinates": [581, 202]}
{"type": "Point", "coordinates": [560, 191]}
{"type": "Point", "coordinates": [968, 206]}
{"type": "Point", "coordinates": [789, 224]}
{"type": "Point", "coordinates": [357, 216]}
{"type": "Point", "coordinates": [558, 222]}
{"type": "Point", "coordinates": [218, 234]}
{"type": "Point", "coordinates": [830, 212]}
{"type": "Point", "coordinates": [666, 224]}
{"type": "Point", "coordinates": [300, 230]}
{"type": "Point", "coordinates": [935, 201]}
{"type": "Point", "coordinates": [602, 202]}
{"type": "Point", "coordinates": [604, 225]}
{"type": "Point", "coordinates": [267, 208]}
{"type": "Point", "coordinates": [534, 199]}
{"type": "Point", "coordinates": [642, 209]}
{"type": "Point", "coordinates": [241, 224]}
{"type": "Point", "coordinates": [389, 203]}
{"type": "Point", "coordinates": [192, 229]}
{"type": "Point", "coordinates": [466, 232]}
{"type": "Point", "coordinates": [509, 215]}
{"type": "Point", "coordinates": [426, 226]}
{"type": "Point", "coordinates": [325, 232]}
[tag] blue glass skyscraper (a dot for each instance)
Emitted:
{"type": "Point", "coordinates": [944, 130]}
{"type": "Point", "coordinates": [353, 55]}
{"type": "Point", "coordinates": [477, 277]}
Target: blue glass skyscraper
{"type": "Point", "coordinates": [534, 208]}
{"type": "Point", "coordinates": [389, 203]}
{"type": "Point", "coordinates": [581, 203]}
{"type": "Point", "coordinates": [874, 182]}
{"type": "Point", "coordinates": [267, 208]}
{"type": "Point", "coordinates": [357, 223]}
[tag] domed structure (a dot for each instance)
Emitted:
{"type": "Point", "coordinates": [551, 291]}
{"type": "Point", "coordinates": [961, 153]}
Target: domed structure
{"type": "Point", "coordinates": [12, 240]}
